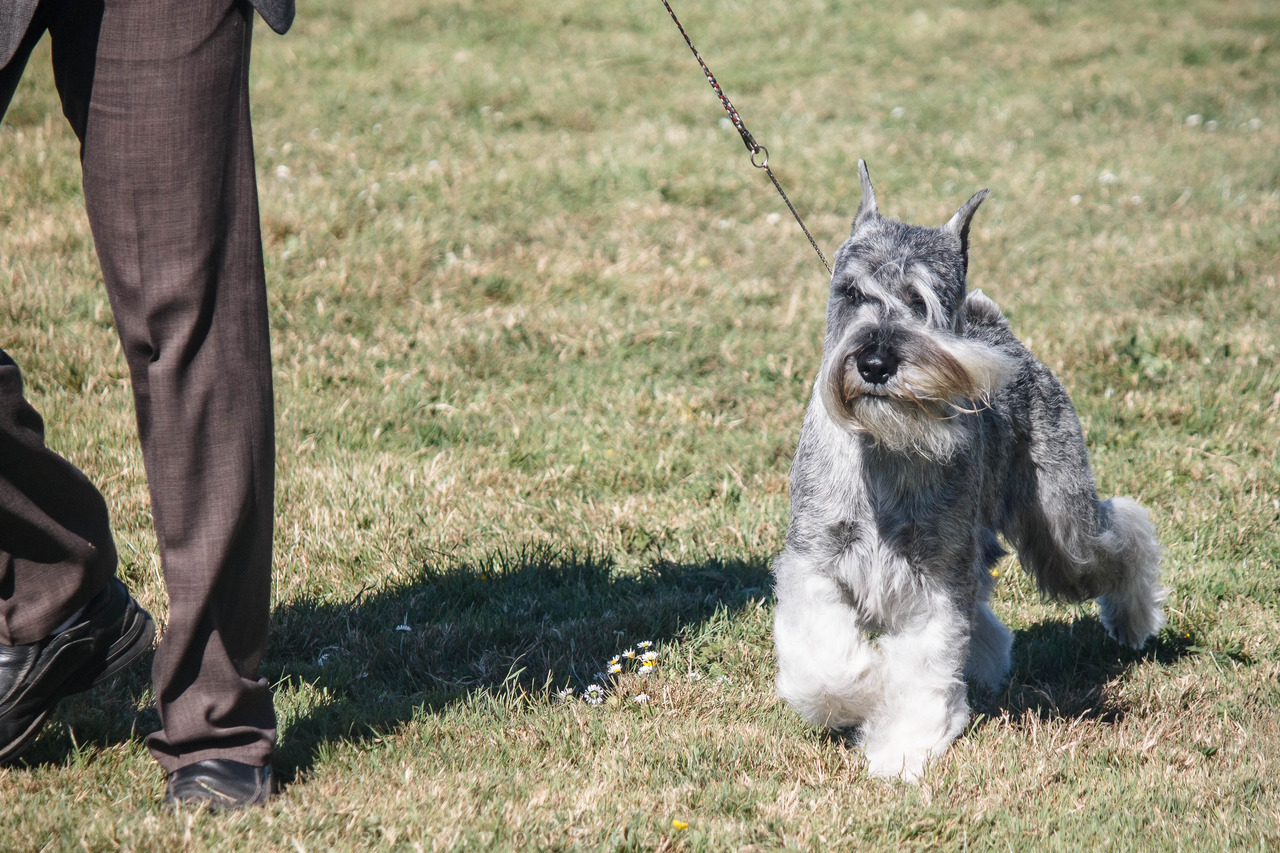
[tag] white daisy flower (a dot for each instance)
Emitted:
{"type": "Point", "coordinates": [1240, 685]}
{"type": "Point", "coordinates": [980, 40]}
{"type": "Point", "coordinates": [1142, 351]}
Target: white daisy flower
{"type": "Point", "coordinates": [593, 695]}
{"type": "Point", "coordinates": [648, 656]}
{"type": "Point", "coordinates": [644, 644]}
{"type": "Point", "coordinates": [641, 699]}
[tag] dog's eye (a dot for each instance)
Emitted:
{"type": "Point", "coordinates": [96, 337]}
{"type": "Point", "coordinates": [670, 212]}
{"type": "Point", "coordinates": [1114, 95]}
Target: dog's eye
{"type": "Point", "coordinates": [917, 303]}
{"type": "Point", "coordinates": [854, 295]}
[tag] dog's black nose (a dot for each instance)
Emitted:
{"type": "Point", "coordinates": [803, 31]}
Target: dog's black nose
{"type": "Point", "coordinates": [877, 365]}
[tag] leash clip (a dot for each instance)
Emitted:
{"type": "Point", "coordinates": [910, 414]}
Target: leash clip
{"type": "Point", "coordinates": [764, 164]}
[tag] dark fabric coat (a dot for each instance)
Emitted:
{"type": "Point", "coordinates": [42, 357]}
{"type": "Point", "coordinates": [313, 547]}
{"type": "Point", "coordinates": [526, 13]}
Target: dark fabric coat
{"type": "Point", "coordinates": [15, 16]}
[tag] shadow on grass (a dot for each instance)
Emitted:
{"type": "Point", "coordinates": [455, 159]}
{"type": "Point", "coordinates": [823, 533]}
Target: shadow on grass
{"type": "Point", "coordinates": [1062, 668]}
{"type": "Point", "coordinates": [534, 620]}
{"type": "Point", "coordinates": [115, 712]}
{"type": "Point", "coordinates": [537, 620]}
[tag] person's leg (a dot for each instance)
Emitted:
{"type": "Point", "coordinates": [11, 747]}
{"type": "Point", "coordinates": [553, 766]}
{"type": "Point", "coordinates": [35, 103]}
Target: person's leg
{"type": "Point", "coordinates": [172, 200]}
{"type": "Point", "coordinates": [56, 549]}
{"type": "Point", "coordinates": [66, 624]}
{"type": "Point", "coordinates": [11, 72]}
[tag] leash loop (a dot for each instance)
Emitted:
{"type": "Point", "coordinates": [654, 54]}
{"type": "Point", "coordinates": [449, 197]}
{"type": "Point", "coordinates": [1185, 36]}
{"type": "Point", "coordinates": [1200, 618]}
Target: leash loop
{"type": "Point", "coordinates": [748, 140]}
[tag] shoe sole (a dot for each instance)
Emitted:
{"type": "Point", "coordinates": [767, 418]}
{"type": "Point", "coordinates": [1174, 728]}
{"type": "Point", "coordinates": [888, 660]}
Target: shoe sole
{"type": "Point", "coordinates": [131, 645]}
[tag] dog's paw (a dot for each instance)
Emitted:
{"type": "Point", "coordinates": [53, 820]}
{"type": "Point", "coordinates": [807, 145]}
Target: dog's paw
{"type": "Point", "coordinates": [891, 762]}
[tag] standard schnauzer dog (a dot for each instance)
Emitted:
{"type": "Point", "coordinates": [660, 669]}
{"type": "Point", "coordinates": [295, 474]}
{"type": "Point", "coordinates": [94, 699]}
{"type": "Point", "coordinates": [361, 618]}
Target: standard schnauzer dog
{"type": "Point", "coordinates": [931, 430]}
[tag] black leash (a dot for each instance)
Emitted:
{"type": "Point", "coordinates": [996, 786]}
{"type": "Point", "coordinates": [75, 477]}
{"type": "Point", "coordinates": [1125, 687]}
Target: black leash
{"type": "Point", "coordinates": [750, 141]}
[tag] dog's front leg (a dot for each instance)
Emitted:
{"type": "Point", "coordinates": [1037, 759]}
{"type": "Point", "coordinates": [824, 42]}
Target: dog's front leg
{"type": "Point", "coordinates": [828, 670]}
{"type": "Point", "coordinates": [924, 705]}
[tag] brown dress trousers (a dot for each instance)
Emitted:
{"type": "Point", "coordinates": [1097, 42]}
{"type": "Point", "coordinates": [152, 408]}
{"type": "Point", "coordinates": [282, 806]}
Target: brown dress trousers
{"type": "Point", "coordinates": [157, 92]}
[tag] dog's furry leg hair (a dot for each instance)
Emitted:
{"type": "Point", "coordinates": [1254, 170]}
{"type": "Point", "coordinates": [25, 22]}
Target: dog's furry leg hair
{"type": "Point", "coordinates": [923, 707]}
{"type": "Point", "coordinates": [990, 642]}
{"type": "Point", "coordinates": [1075, 545]}
{"type": "Point", "coordinates": [828, 669]}
{"type": "Point", "coordinates": [905, 687]}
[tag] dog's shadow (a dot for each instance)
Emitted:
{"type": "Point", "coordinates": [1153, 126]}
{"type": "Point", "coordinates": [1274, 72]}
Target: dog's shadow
{"type": "Point", "coordinates": [1064, 669]}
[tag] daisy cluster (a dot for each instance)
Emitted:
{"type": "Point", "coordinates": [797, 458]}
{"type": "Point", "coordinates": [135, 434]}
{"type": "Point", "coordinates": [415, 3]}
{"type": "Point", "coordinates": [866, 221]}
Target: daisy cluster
{"type": "Point", "coordinates": [641, 660]}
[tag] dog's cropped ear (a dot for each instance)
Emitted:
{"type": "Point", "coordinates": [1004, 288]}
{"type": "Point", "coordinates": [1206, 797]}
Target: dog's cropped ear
{"type": "Point", "coordinates": [867, 209]}
{"type": "Point", "coordinates": [959, 224]}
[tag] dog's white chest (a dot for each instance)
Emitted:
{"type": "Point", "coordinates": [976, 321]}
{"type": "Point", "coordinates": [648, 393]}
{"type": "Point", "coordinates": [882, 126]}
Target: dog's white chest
{"type": "Point", "coordinates": [878, 579]}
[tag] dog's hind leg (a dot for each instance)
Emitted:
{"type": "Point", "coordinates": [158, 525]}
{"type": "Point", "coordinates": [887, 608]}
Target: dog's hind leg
{"type": "Point", "coordinates": [990, 642]}
{"type": "Point", "coordinates": [1076, 546]}
{"type": "Point", "coordinates": [828, 670]}
{"type": "Point", "coordinates": [1132, 607]}
{"type": "Point", "coordinates": [990, 645]}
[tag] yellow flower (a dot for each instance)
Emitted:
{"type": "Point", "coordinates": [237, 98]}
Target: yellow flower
{"type": "Point", "coordinates": [679, 824]}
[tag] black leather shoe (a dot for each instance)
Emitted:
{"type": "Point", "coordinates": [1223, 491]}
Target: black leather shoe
{"type": "Point", "coordinates": [111, 635]}
{"type": "Point", "coordinates": [220, 783]}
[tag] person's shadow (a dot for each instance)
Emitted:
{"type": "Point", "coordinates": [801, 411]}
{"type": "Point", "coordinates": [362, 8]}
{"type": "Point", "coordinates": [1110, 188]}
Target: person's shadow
{"type": "Point", "coordinates": [536, 620]}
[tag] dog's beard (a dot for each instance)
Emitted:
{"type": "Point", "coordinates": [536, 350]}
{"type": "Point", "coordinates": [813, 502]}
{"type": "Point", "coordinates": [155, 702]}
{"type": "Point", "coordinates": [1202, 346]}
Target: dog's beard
{"type": "Point", "coordinates": [939, 378]}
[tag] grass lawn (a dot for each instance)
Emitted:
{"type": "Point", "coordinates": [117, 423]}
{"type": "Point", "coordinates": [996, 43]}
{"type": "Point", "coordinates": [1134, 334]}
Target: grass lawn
{"type": "Point", "coordinates": [543, 339]}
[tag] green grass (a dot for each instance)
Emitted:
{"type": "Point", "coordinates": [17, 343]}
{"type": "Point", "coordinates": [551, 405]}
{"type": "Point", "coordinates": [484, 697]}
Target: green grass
{"type": "Point", "coordinates": [543, 340]}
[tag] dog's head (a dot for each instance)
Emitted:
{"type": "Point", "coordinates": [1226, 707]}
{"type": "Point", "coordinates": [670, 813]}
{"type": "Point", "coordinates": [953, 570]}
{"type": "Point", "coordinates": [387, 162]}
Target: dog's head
{"type": "Point", "coordinates": [897, 365]}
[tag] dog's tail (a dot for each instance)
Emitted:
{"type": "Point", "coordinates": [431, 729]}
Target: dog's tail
{"type": "Point", "coordinates": [1075, 545]}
